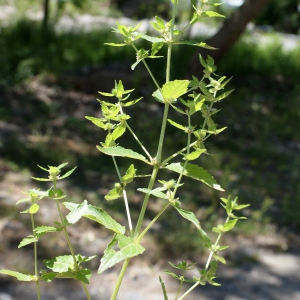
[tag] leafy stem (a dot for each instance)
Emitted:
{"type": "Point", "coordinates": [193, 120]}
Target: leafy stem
{"type": "Point", "coordinates": [35, 260]}
{"type": "Point", "coordinates": [152, 222]}
{"type": "Point", "coordinates": [69, 242]}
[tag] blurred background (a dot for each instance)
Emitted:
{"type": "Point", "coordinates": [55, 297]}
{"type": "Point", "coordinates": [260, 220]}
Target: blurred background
{"type": "Point", "coordinates": [53, 61]}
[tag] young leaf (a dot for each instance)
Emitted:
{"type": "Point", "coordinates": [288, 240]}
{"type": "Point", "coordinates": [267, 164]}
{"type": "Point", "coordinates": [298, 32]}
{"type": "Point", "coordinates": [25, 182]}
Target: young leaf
{"type": "Point", "coordinates": [114, 193]}
{"type": "Point", "coordinates": [98, 122]}
{"type": "Point", "coordinates": [189, 216]}
{"type": "Point", "coordinates": [129, 176]}
{"type": "Point", "coordinates": [156, 47]}
{"type": "Point", "coordinates": [219, 258]}
{"type": "Point", "coordinates": [195, 154]}
{"type": "Point", "coordinates": [163, 288]}
{"type": "Point", "coordinates": [229, 225]}
{"type": "Point", "coordinates": [177, 125]}
{"type": "Point", "coordinates": [118, 131]}
{"type": "Point", "coordinates": [195, 43]}
{"type": "Point", "coordinates": [152, 39]}
{"type": "Point", "coordinates": [19, 276]}
{"type": "Point", "coordinates": [195, 172]}
{"type": "Point", "coordinates": [156, 192]}
{"type": "Point", "coordinates": [174, 89]}
{"type": "Point", "coordinates": [98, 215]}
{"type": "Point", "coordinates": [172, 274]}
{"type": "Point", "coordinates": [223, 96]}
{"type": "Point", "coordinates": [213, 14]}
{"type": "Point", "coordinates": [45, 229]}
{"type": "Point", "coordinates": [67, 174]}
{"type": "Point", "coordinates": [120, 151]}
{"type": "Point", "coordinates": [115, 45]}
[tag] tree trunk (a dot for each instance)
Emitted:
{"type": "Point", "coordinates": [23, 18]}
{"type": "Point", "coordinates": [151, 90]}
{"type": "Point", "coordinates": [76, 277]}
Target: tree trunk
{"type": "Point", "coordinates": [228, 34]}
{"type": "Point", "coordinates": [46, 14]}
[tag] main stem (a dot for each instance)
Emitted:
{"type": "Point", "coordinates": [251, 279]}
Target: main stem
{"type": "Point", "coordinates": [158, 156]}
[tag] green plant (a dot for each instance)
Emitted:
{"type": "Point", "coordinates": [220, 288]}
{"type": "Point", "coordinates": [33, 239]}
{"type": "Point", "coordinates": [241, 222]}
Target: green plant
{"type": "Point", "coordinates": [187, 98]}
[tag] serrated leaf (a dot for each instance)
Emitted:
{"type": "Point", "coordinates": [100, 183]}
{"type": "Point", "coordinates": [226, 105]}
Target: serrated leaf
{"type": "Point", "coordinates": [28, 240]}
{"type": "Point", "coordinates": [174, 89]}
{"type": "Point", "coordinates": [77, 213]}
{"type": "Point", "coordinates": [120, 151]}
{"type": "Point", "coordinates": [210, 14]}
{"type": "Point", "coordinates": [98, 215]}
{"type": "Point", "coordinates": [83, 275]}
{"type": "Point", "coordinates": [195, 172]}
{"type": "Point", "coordinates": [60, 264]}
{"type": "Point", "coordinates": [17, 275]}
{"type": "Point", "coordinates": [163, 288]}
{"type": "Point", "coordinates": [112, 257]}
{"type": "Point", "coordinates": [190, 216]}
{"type": "Point", "coordinates": [97, 122]}
{"type": "Point", "coordinates": [176, 125]}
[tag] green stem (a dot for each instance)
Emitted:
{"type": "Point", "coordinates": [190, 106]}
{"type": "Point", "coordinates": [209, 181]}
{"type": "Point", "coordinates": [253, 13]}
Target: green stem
{"type": "Point", "coordinates": [147, 67]}
{"type": "Point", "coordinates": [162, 133]}
{"type": "Point", "coordinates": [189, 290]}
{"type": "Point", "coordinates": [86, 291]}
{"type": "Point", "coordinates": [178, 152]}
{"type": "Point", "coordinates": [124, 195]}
{"type": "Point", "coordinates": [145, 203]}
{"type": "Point", "coordinates": [186, 161]}
{"type": "Point", "coordinates": [138, 240]}
{"type": "Point", "coordinates": [37, 284]}
{"type": "Point", "coordinates": [180, 286]}
{"type": "Point", "coordinates": [120, 279]}
{"type": "Point", "coordinates": [139, 142]}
